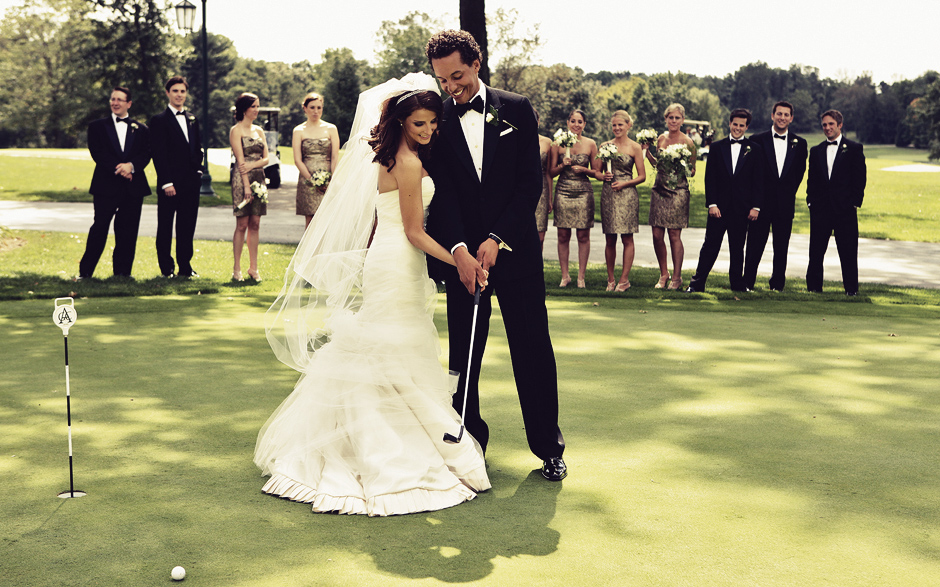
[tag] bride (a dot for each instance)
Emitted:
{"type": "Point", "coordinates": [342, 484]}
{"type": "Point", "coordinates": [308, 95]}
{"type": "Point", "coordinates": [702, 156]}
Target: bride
{"type": "Point", "coordinates": [362, 432]}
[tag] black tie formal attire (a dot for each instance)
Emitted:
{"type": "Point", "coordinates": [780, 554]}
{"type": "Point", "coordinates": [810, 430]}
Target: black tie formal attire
{"type": "Point", "coordinates": [178, 159]}
{"type": "Point", "coordinates": [735, 187]}
{"type": "Point", "coordinates": [834, 192]}
{"type": "Point", "coordinates": [494, 191]}
{"type": "Point", "coordinates": [783, 175]}
{"type": "Point", "coordinates": [114, 196]}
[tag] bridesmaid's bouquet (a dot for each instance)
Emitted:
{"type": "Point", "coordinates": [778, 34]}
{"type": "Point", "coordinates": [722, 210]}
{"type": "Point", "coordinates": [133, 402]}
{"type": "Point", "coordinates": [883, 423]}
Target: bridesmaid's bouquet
{"type": "Point", "coordinates": [565, 138]}
{"type": "Point", "coordinates": [673, 163]}
{"type": "Point", "coordinates": [608, 153]}
{"type": "Point", "coordinates": [319, 179]}
{"type": "Point", "coordinates": [647, 136]}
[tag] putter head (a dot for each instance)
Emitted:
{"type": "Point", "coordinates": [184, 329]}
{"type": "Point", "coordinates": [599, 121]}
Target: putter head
{"type": "Point", "coordinates": [454, 439]}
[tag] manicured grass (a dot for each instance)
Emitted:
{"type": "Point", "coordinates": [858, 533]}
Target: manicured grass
{"type": "Point", "coordinates": [42, 265]}
{"type": "Point", "coordinates": [707, 444]}
{"type": "Point", "coordinates": [57, 179]}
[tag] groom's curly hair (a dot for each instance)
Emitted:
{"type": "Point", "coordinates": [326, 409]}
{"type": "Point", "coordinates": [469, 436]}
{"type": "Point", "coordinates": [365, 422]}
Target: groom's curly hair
{"type": "Point", "coordinates": [386, 135]}
{"type": "Point", "coordinates": [446, 42]}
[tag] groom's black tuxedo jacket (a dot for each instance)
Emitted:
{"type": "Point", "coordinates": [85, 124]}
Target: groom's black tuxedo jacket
{"type": "Point", "coordinates": [467, 209]}
{"type": "Point", "coordinates": [734, 192]}
{"type": "Point", "coordinates": [177, 161]}
{"type": "Point", "coordinates": [106, 150]}
{"type": "Point", "coordinates": [780, 189]}
{"type": "Point", "coordinates": [845, 189]}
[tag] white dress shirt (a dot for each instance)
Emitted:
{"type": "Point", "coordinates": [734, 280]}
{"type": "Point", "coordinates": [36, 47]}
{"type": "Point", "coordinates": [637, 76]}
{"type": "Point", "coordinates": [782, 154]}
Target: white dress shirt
{"type": "Point", "coordinates": [735, 152]}
{"type": "Point", "coordinates": [831, 151]}
{"type": "Point", "coordinates": [181, 120]}
{"type": "Point", "coordinates": [780, 149]}
{"type": "Point", "coordinates": [120, 128]}
{"type": "Point", "coordinates": [472, 124]}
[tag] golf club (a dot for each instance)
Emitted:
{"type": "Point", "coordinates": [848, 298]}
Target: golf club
{"type": "Point", "coordinates": [466, 387]}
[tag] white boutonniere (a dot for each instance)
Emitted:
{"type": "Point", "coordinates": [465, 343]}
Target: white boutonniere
{"type": "Point", "coordinates": [747, 149]}
{"type": "Point", "coordinates": [191, 118]}
{"type": "Point", "coordinates": [845, 146]}
{"type": "Point", "coordinates": [492, 118]}
{"type": "Point", "coordinates": [133, 126]}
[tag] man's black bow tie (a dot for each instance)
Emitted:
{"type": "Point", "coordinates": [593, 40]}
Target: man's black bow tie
{"type": "Point", "coordinates": [475, 104]}
{"type": "Point", "coordinates": [781, 137]}
{"type": "Point", "coordinates": [124, 120]}
{"type": "Point", "coordinates": [733, 141]}
{"type": "Point", "coordinates": [832, 142]}
{"type": "Point", "coordinates": [181, 113]}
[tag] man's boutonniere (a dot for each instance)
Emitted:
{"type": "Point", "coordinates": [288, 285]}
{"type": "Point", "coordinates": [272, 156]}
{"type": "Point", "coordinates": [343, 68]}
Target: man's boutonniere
{"type": "Point", "coordinates": [845, 146]}
{"type": "Point", "coordinates": [747, 149]}
{"type": "Point", "coordinates": [492, 118]}
{"type": "Point", "coordinates": [191, 118]}
{"type": "Point", "coordinates": [133, 126]}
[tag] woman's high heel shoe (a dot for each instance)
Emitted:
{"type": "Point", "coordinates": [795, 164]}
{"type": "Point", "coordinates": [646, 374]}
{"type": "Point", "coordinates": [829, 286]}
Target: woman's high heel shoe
{"type": "Point", "coordinates": [675, 284]}
{"type": "Point", "coordinates": [237, 276]}
{"type": "Point", "coordinates": [581, 282]}
{"type": "Point", "coordinates": [622, 286]}
{"type": "Point", "coordinates": [564, 282]}
{"type": "Point", "coordinates": [611, 285]}
{"type": "Point", "coordinates": [255, 276]}
{"type": "Point", "coordinates": [662, 281]}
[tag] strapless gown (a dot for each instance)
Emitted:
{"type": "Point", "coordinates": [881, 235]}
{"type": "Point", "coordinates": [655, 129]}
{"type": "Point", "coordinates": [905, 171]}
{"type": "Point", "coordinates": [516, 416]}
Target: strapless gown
{"type": "Point", "coordinates": [574, 196]}
{"type": "Point", "coordinates": [620, 210]}
{"type": "Point", "coordinates": [541, 210]}
{"type": "Point", "coordinates": [253, 150]}
{"type": "Point", "coordinates": [316, 154]}
{"type": "Point", "coordinates": [362, 432]}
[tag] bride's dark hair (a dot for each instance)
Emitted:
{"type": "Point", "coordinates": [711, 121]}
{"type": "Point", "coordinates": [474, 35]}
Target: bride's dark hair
{"type": "Point", "coordinates": [386, 135]}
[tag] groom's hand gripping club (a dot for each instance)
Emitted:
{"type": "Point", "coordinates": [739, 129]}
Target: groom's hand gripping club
{"type": "Point", "coordinates": [471, 272]}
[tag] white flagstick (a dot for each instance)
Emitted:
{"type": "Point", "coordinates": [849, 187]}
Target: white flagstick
{"type": "Point", "coordinates": [64, 317]}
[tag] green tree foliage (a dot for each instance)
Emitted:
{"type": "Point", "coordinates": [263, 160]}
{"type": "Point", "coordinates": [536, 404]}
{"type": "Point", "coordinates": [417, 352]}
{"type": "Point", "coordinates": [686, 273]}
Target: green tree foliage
{"type": "Point", "coordinates": [513, 49]}
{"type": "Point", "coordinates": [344, 77]}
{"type": "Point", "coordinates": [401, 46]}
{"type": "Point", "coordinates": [222, 59]}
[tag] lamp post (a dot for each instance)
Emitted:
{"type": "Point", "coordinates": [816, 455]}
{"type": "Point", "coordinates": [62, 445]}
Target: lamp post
{"type": "Point", "coordinates": [185, 19]}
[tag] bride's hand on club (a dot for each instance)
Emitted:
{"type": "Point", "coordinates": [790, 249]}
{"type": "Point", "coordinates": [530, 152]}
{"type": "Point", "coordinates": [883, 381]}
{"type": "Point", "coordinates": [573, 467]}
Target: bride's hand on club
{"type": "Point", "coordinates": [469, 270]}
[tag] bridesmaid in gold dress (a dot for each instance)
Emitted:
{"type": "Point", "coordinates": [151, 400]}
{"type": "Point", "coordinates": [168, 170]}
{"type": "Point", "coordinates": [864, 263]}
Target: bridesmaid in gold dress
{"type": "Point", "coordinates": [316, 148]}
{"type": "Point", "coordinates": [620, 202]}
{"type": "Point", "coordinates": [251, 155]}
{"type": "Point", "coordinates": [544, 207]}
{"type": "Point", "coordinates": [669, 208]}
{"type": "Point", "coordinates": [574, 196]}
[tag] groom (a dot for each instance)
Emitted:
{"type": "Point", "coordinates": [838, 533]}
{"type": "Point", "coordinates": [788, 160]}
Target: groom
{"type": "Point", "coordinates": [488, 181]}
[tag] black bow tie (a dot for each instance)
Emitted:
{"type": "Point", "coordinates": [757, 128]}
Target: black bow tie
{"type": "Point", "coordinates": [475, 104]}
{"type": "Point", "coordinates": [781, 137]}
{"type": "Point", "coordinates": [181, 113]}
{"type": "Point", "coordinates": [124, 120]}
{"type": "Point", "coordinates": [832, 142]}
{"type": "Point", "coordinates": [735, 141]}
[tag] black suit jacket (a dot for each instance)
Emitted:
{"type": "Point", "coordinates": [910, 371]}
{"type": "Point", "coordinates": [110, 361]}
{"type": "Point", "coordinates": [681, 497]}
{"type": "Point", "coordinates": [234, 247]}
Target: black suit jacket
{"type": "Point", "coordinates": [467, 208]}
{"type": "Point", "coordinates": [739, 191]}
{"type": "Point", "coordinates": [780, 190]}
{"type": "Point", "coordinates": [177, 161]}
{"type": "Point", "coordinates": [843, 191]}
{"type": "Point", "coordinates": [106, 150]}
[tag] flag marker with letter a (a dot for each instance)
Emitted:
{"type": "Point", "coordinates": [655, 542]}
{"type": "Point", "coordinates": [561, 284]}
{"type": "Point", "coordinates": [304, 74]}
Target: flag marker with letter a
{"type": "Point", "coordinates": [64, 317]}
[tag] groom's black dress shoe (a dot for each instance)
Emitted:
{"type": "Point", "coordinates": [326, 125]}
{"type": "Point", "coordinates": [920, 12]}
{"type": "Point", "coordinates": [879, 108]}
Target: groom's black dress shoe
{"type": "Point", "coordinates": [554, 469]}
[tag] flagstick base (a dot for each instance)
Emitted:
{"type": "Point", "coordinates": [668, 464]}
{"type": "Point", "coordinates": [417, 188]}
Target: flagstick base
{"type": "Point", "coordinates": [69, 494]}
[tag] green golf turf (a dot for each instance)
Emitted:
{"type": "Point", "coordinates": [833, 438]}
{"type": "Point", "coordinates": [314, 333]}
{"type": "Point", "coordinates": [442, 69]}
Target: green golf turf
{"type": "Point", "coordinates": [709, 443]}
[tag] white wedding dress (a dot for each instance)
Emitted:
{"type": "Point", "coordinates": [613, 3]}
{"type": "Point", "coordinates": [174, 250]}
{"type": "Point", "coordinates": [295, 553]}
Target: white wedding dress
{"type": "Point", "coordinates": [362, 432]}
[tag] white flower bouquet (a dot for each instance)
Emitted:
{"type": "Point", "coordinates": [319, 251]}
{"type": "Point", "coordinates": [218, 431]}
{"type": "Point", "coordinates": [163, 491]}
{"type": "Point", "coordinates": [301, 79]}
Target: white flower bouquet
{"type": "Point", "coordinates": [319, 179]}
{"type": "Point", "coordinates": [647, 136]}
{"type": "Point", "coordinates": [608, 153]}
{"type": "Point", "coordinates": [673, 163]}
{"type": "Point", "coordinates": [259, 191]}
{"type": "Point", "coordinates": [565, 138]}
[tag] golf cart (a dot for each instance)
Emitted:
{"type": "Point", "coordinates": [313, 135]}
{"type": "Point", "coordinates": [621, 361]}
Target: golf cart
{"type": "Point", "coordinates": [267, 120]}
{"type": "Point", "coordinates": [701, 134]}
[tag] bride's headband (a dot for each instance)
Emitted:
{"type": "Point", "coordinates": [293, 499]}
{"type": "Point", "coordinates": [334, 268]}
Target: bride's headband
{"type": "Point", "coordinates": [408, 95]}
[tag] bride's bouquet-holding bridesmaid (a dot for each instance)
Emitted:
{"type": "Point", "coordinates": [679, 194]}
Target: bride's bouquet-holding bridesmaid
{"type": "Point", "coordinates": [316, 152]}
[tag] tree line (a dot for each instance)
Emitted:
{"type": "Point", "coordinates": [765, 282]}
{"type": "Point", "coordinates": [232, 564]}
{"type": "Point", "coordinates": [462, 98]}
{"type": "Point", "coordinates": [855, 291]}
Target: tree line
{"type": "Point", "coordinates": [63, 56]}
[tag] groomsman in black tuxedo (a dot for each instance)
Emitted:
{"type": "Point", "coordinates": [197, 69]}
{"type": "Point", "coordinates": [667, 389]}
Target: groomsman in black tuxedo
{"type": "Point", "coordinates": [177, 155]}
{"type": "Point", "coordinates": [734, 192]}
{"type": "Point", "coordinates": [785, 154]}
{"type": "Point", "coordinates": [835, 188]}
{"type": "Point", "coordinates": [120, 147]}
{"type": "Point", "coordinates": [488, 181]}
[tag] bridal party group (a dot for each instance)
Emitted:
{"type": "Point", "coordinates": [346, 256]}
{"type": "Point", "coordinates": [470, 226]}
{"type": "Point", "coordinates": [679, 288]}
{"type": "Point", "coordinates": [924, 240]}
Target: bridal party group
{"type": "Point", "coordinates": [750, 191]}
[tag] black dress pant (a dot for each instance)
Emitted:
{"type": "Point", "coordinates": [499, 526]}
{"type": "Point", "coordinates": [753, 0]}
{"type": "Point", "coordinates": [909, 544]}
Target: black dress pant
{"type": "Point", "coordinates": [183, 208]}
{"type": "Point", "coordinates": [522, 303]}
{"type": "Point", "coordinates": [824, 223]}
{"type": "Point", "coordinates": [757, 233]}
{"type": "Point", "coordinates": [125, 210]}
{"type": "Point", "coordinates": [735, 224]}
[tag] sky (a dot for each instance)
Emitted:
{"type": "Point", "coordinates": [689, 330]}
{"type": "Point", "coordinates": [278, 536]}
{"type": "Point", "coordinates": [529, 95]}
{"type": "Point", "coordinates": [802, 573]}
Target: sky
{"type": "Point", "coordinates": [843, 38]}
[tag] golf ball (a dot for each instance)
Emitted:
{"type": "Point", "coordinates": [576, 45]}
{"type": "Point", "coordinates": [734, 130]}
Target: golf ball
{"type": "Point", "coordinates": [178, 573]}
